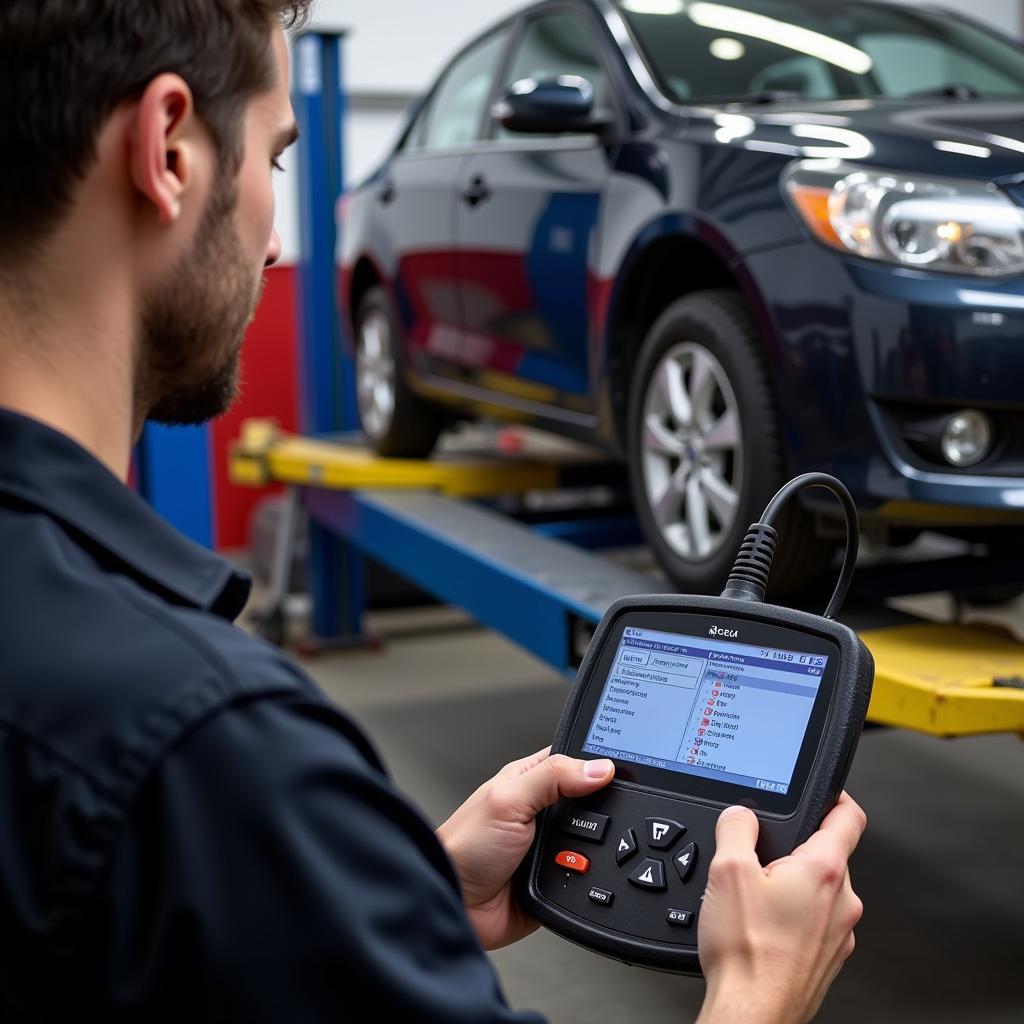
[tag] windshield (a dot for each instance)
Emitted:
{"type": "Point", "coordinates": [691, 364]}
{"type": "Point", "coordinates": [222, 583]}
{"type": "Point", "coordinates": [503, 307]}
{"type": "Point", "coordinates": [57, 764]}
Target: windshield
{"type": "Point", "coordinates": [819, 50]}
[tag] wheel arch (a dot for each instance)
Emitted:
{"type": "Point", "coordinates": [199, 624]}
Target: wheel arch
{"type": "Point", "coordinates": [669, 259]}
{"type": "Point", "coordinates": [364, 276]}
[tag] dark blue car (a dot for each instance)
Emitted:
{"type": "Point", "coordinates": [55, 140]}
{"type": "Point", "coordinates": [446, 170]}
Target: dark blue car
{"type": "Point", "coordinates": [729, 242]}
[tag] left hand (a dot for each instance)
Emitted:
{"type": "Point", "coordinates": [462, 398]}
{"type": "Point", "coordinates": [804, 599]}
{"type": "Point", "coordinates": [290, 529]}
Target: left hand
{"type": "Point", "coordinates": [488, 836]}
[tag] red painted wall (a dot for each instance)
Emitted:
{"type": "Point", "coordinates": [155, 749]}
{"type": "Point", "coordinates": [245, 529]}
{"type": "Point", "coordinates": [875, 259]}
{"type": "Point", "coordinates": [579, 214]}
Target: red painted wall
{"type": "Point", "coordinates": [270, 388]}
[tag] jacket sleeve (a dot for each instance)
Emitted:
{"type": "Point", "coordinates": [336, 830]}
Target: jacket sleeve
{"type": "Point", "coordinates": [270, 872]}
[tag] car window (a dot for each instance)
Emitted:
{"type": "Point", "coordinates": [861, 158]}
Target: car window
{"type": "Point", "coordinates": [804, 75]}
{"type": "Point", "coordinates": [906, 64]}
{"type": "Point", "coordinates": [454, 115]}
{"type": "Point", "coordinates": [553, 45]}
{"type": "Point", "coordinates": [822, 50]}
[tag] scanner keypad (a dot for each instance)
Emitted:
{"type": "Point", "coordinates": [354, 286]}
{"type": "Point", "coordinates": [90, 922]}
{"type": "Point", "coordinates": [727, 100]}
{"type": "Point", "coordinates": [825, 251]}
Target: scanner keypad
{"type": "Point", "coordinates": [634, 848]}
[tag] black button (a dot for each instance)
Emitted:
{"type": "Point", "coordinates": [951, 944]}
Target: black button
{"type": "Point", "coordinates": [650, 875]}
{"type": "Point", "coordinates": [681, 918]}
{"type": "Point", "coordinates": [602, 896]}
{"type": "Point", "coordinates": [586, 824]}
{"type": "Point", "coordinates": [627, 847]}
{"type": "Point", "coordinates": [684, 861]}
{"type": "Point", "coordinates": [662, 832]}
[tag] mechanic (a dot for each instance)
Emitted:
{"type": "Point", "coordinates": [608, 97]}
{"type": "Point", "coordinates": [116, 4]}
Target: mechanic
{"type": "Point", "coordinates": [189, 830]}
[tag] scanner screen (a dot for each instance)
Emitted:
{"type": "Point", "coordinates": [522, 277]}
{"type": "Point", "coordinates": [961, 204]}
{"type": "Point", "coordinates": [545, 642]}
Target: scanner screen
{"type": "Point", "coordinates": [706, 706]}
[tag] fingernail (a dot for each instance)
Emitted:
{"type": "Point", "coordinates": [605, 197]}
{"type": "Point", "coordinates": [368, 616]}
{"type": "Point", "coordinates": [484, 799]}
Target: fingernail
{"type": "Point", "coordinates": [732, 810]}
{"type": "Point", "coordinates": [597, 769]}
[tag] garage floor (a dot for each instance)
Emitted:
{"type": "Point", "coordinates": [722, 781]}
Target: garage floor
{"type": "Point", "coordinates": [941, 869]}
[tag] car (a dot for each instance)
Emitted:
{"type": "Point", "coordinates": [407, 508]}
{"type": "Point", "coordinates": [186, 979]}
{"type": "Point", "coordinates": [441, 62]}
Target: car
{"type": "Point", "coordinates": [726, 242]}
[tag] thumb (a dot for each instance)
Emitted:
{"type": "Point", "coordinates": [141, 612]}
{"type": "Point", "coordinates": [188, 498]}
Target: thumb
{"type": "Point", "coordinates": [736, 834]}
{"type": "Point", "coordinates": [559, 776]}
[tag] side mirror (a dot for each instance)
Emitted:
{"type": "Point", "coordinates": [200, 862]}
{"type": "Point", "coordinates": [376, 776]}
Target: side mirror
{"type": "Point", "coordinates": [551, 106]}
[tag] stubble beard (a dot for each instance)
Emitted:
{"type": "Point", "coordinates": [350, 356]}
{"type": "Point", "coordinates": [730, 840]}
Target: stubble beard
{"type": "Point", "coordinates": [192, 325]}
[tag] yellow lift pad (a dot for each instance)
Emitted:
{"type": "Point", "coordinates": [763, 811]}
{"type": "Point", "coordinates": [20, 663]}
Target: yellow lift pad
{"type": "Point", "coordinates": [263, 454]}
{"type": "Point", "coordinates": [947, 680]}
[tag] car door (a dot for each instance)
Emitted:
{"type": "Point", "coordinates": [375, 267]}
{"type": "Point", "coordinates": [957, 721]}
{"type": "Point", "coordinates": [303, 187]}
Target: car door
{"type": "Point", "coordinates": [526, 224]}
{"type": "Point", "coordinates": [416, 201]}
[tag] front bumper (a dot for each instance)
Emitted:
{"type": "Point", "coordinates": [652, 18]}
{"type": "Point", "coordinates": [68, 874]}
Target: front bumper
{"type": "Point", "coordinates": [856, 348]}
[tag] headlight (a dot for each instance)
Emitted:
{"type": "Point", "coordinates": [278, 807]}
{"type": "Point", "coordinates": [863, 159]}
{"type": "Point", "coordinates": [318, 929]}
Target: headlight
{"type": "Point", "coordinates": [961, 227]}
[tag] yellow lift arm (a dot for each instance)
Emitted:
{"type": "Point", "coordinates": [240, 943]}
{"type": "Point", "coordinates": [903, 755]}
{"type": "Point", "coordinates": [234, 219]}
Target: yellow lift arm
{"type": "Point", "coordinates": [263, 454]}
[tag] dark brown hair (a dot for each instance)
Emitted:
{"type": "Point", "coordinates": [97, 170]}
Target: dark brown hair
{"type": "Point", "coordinates": [65, 65]}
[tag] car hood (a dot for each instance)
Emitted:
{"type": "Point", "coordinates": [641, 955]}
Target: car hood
{"type": "Point", "coordinates": [975, 139]}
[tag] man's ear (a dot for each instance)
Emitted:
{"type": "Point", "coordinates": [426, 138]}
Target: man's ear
{"type": "Point", "coordinates": [164, 140]}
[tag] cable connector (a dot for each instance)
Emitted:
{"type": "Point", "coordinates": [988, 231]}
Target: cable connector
{"type": "Point", "coordinates": [748, 580]}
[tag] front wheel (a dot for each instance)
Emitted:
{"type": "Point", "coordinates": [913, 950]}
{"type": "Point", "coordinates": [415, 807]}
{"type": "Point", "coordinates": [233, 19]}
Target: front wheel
{"type": "Point", "coordinates": [395, 421]}
{"type": "Point", "coordinates": [705, 449]}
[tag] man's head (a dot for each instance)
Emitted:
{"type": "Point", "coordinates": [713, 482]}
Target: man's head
{"type": "Point", "coordinates": [156, 123]}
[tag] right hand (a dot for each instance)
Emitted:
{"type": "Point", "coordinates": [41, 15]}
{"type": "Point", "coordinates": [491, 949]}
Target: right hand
{"type": "Point", "coordinates": [772, 939]}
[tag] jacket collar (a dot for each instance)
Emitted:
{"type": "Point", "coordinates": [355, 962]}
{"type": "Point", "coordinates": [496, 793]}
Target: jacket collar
{"type": "Point", "coordinates": [45, 469]}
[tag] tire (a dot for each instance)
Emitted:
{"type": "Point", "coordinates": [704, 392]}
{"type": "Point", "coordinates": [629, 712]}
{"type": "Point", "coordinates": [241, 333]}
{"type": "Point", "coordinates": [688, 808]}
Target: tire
{"type": "Point", "coordinates": [396, 421]}
{"type": "Point", "coordinates": [698, 485]}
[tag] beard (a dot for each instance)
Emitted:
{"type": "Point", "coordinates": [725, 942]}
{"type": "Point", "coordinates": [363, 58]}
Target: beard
{"type": "Point", "coordinates": [192, 325]}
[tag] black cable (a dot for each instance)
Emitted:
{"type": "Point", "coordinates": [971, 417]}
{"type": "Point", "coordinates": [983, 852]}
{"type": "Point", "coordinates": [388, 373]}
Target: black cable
{"type": "Point", "coordinates": [748, 580]}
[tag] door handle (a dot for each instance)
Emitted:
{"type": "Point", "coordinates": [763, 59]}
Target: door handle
{"type": "Point", "coordinates": [387, 193]}
{"type": "Point", "coordinates": [476, 192]}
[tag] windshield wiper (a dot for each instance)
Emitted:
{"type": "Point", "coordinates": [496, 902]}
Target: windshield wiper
{"type": "Point", "coordinates": [951, 91]}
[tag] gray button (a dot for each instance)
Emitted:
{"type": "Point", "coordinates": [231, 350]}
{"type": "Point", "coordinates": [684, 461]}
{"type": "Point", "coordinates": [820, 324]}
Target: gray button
{"type": "Point", "coordinates": [680, 918]}
{"type": "Point", "coordinates": [602, 896]}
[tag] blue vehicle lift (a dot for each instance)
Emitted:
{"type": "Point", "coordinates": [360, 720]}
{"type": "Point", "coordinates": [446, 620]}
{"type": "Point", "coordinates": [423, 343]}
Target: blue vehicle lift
{"type": "Point", "coordinates": [440, 523]}
{"type": "Point", "coordinates": [327, 372]}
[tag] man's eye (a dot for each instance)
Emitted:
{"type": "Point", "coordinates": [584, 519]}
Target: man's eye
{"type": "Point", "coordinates": [276, 164]}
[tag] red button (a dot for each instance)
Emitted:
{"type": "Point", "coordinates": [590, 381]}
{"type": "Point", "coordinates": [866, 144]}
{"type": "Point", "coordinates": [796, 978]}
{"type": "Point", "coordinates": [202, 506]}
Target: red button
{"type": "Point", "coordinates": [573, 862]}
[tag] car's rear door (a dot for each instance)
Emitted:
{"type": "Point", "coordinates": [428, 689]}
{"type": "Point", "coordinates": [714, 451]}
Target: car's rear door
{"type": "Point", "coordinates": [416, 201]}
{"type": "Point", "coordinates": [528, 212]}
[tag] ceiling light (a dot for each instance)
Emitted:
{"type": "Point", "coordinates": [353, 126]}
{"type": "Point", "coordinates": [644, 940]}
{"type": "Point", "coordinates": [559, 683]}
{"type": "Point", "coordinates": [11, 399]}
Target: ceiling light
{"type": "Point", "coordinates": [654, 6]}
{"type": "Point", "coordinates": [727, 49]}
{"type": "Point", "coordinates": [964, 148]}
{"type": "Point", "coordinates": [758, 26]}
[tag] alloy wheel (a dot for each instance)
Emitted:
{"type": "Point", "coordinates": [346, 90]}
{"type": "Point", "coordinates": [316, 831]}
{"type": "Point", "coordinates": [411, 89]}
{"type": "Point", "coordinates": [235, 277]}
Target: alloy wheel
{"type": "Point", "coordinates": [692, 451]}
{"type": "Point", "coordinates": [375, 373]}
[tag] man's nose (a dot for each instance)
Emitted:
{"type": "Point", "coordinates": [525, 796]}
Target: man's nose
{"type": "Point", "coordinates": [273, 250]}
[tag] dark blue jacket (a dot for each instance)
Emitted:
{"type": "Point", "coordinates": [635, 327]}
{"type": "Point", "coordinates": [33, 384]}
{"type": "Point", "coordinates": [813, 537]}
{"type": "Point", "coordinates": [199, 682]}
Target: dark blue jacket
{"type": "Point", "coordinates": [189, 830]}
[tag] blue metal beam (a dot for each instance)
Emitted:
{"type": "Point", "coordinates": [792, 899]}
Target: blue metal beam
{"type": "Point", "coordinates": [533, 589]}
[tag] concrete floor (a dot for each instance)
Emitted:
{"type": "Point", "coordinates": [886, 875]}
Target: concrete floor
{"type": "Point", "coordinates": [941, 868]}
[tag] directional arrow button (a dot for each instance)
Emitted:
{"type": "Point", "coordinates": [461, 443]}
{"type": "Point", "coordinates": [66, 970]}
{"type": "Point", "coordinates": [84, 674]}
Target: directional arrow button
{"type": "Point", "coordinates": [684, 861]}
{"type": "Point", "coordinates": [626, 848]}
{"type": "Point", "coordinates": [650, 875]}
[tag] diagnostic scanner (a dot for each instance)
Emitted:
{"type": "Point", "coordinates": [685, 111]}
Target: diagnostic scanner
{"type": "Point", "coordinates": [701, 702]}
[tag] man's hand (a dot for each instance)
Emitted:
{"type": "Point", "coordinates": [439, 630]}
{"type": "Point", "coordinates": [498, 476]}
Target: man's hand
{"type": "Point", "coordinates": [488, 836]}
{"type": "Point", "coordinates": [773, 939]}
